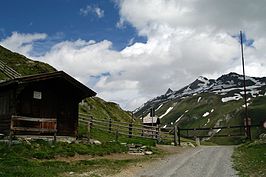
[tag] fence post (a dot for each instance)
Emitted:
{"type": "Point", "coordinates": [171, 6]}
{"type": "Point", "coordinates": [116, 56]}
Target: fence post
{"type": "Point", "coordinates": [11, 132]}
{"type": "Point", "coordinates": [179, 142]}
{"type": "Point", "coordinates": [89, 128]}
{"type": "Point", "coordinates": [110, 125]}
{"type": "Point", "coordinates": [130, 130]}
{"type": "Point", "coordinates": [116, 136]}
{"type": "Point", "coordinates": [10, 138]}
{"type": "Point", "coordinates": [91, 122]}
{"type": "Point", "coordinates": [158, 133]}
{"type": "Point", "coordinates": [142, 130]}
{"type": "Point", "coordinates": [54, 137]}
{"type": "Point", "coordinates": [175, 135]}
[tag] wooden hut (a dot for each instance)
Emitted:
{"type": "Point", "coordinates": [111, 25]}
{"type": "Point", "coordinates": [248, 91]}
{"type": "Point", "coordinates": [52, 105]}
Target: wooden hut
{"type": "Point", "coordinates": [44, 96]}
{"type": "Point", "coordinates": [151, 125]}
{"type": "Point", "coordinates": [151, 121]}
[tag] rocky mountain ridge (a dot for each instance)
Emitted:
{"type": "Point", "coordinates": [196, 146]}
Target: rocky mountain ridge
{"type": "Point", "coordinates": [228, 86]}
{"type": "Point", "coordinates": [212, 103]}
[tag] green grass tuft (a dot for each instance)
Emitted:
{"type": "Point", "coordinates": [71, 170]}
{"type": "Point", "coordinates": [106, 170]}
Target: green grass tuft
{"type": "Point", "coordinates": [250, 159]}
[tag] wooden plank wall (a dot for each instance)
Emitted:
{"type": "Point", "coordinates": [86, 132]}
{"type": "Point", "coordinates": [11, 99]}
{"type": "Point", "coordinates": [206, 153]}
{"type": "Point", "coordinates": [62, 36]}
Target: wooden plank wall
{"type": "Point", "coordinates": [6, 110]}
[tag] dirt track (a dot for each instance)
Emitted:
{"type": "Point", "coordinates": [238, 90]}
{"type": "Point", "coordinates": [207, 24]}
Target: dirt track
{"type": "Point", "coordinates": [204, 161]}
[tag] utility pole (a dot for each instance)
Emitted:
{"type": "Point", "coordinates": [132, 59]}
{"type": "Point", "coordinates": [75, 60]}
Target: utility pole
{"type": "Point", "coordinates": [245, 90]}
{"type": "Point", "coordinates": [152, 114]}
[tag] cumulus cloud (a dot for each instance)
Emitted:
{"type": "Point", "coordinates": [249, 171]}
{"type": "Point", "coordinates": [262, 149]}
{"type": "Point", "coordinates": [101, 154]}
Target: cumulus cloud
{"type": "Point", "coordinates": [142, 70]}
{"type": "Point", "coordinates": [93, 10]}
{"type": "Point", "coordinates": [185, 39]}
{"type": "Point", "coordinates": [22, 43]}
{"type": "Point", "coordinates": [217, 15]}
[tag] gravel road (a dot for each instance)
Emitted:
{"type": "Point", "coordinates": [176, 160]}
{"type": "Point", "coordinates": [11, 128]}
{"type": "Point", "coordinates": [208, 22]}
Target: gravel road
{"type": "Point", "coordinates": [203, 161]}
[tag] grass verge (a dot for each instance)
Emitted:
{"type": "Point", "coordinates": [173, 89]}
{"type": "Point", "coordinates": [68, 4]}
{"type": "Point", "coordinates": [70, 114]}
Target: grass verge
{"type": "Point", "coordinates": [38, 158]}
{"type": "Point", "coordinates": [21, 167]}
{"type": "Point", "coordinates": [250, 159]}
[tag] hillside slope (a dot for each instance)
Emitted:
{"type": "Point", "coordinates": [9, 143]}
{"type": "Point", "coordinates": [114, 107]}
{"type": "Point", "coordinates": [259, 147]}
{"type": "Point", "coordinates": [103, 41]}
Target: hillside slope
{"type": "Point", "coordinates": [100, 109]}
{"type": "Point", "coordinates": [22, 64]}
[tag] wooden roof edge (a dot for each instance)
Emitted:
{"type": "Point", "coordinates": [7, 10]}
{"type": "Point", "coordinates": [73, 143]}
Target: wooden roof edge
{"type": "Point", "coordinates": [77, 83]}
{"type": "Point", "coordinates": [50, 75]}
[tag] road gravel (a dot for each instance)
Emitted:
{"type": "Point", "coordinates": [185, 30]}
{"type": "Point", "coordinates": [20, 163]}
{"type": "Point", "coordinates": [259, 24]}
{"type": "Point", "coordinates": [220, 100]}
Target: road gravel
{"type": "Point", "coordinates": [203, 161]}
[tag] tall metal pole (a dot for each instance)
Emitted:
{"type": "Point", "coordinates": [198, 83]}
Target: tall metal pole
{"type": "Point", "coordinates": [245, 90]}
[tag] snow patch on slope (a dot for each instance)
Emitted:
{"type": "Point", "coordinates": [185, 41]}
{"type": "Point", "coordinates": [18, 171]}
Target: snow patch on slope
{"type": "Point", "coordinates": [199, 99]}
{"type": "Point", "coordinates": [236, 97]}
{"type": "Point", "coordinates": [222, 88]}
{"type": "Point", "coordinates": [159, 107]}
{"type": "Point", "coordinates": [245, 105]}
{"type": "Point", "coordinates": [217, 130]}
{"type": "Point", "coordinates": [167, 111]}
{"type": "Point", "coordinates": [204, 80]}
{"type": "Point", "coordinates": [207, 122]}
{"type": "Point", "coordinates": [178, 119]}
{"type": "Point", "coordinates": [253, 93]}
{"type": "Point", "coordinates": [205, 114]}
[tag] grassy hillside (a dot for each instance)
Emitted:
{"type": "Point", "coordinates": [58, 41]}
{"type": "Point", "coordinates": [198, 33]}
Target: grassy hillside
{"type": "Point", "coordinates": [101, 109]}
{"type": "Point", "coordinates": [22, 64]}
{"type": "Point", "coordinates": [257, 110]}
{"type": "Point", "coordinates": [192, 110]}
{"type": "Point", "coordinates": [207, 110]}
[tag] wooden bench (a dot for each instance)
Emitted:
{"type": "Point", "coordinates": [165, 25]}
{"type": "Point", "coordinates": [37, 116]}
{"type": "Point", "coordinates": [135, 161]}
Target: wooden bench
{"type": "Point", "coordinates": [41, 125]}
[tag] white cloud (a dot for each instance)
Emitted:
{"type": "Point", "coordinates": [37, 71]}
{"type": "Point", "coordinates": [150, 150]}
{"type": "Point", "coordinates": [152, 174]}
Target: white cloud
{"type": "Point", "coordinates": [185, 39]}
{"type": "Point", "coordinates": [22, 43]}
{"type": "Point", "coordinates": [94, 10]}
{"type": "Point", "coordinates": [121, 23]}
{"type": "Point", "coordinates": [194, 37]}
{"type": "Point", "coordinates": [141, 70]}
{"type": "Point", "coordinates": [99, 12]}
{"type": "Point", "coordinates": [195, 14]}
{"type": "Point", "coordinates": [131, 41]}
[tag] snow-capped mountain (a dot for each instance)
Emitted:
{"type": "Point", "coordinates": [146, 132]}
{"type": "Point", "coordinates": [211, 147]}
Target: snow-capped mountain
{"type": "Point", "coordinates": [229, 87]}
{"type": "Point", "coordinates": [209, 103]}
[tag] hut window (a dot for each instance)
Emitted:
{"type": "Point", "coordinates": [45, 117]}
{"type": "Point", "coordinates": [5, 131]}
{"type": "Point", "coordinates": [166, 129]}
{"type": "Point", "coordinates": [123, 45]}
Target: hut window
{"type": "Point", "coordinates": [37, 95]}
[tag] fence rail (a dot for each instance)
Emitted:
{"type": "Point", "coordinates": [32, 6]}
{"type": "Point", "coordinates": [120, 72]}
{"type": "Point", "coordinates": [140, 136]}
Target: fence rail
{"type": "Point", "coordinates": [231, 131]}
{"type": "Point", "coordinates": [172, 134]}
{"type": "Point", "coordinates": [129, 129]}
{"type": "Point", "coordinates": [11, 73]}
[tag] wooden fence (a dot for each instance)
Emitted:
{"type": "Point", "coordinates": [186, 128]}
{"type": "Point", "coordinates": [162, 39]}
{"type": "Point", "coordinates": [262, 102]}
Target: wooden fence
{"type": "Point", "coordinates": [170, 134]}
{"type": "Point", "coordinates": [37, 125]}
{"type": "Point", "coordinates": [11, 73]}
{"type": "Point", "coordinates": [231, 131]}
{"type": "Point", "coordinates": [128, 129]}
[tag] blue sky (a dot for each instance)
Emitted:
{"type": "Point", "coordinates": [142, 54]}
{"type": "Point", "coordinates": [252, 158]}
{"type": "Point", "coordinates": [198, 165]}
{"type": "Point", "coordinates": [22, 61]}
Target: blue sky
{"type": "Point", "coordinates": [63, 20]}
{"type": "Point", "coordinates": [130, 51]}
